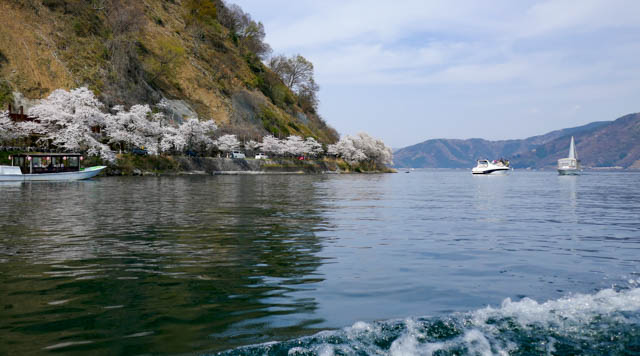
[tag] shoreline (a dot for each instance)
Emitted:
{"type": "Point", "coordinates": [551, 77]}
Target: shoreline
{"type": "Point", "coordinates": [131, 165]}
{"type": "Point", "coordinates": [237, 173]}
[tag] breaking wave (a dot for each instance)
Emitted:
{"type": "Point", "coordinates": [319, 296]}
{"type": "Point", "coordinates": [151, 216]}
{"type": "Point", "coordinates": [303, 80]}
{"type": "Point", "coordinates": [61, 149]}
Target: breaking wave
{"type": "Point", "coordinates": [604, 323]}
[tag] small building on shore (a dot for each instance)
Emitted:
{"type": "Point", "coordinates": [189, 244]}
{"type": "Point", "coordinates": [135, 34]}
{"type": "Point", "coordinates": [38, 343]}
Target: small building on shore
{"type": "Point", "coordinates": [19, 116]}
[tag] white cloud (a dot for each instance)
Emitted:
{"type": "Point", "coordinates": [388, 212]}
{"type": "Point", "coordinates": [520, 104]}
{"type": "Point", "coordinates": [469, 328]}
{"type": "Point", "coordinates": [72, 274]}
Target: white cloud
{"type": "Point", "coordinates": [585, 15]}
{"type": "Point", "coordinates": [516, 54]}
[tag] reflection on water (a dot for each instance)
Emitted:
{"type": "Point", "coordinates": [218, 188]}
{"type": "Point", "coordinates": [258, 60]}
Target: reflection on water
{"type": "Point", "coordinates": [489, 193]}
{"type": "Point", "coordinates": [184, 264]}
{"type": "Point", "coordinates": [196, 264]}
{"type": "Point", "coordinates": [569, 184]}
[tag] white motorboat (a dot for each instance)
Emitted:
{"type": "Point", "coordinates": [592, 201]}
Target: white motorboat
{"type": "Point", "coordinates": [47, 167]}
{"type": "Point", "coordinates": [571, 164]}
{"type": "Point", "coordinates": [486, 167]}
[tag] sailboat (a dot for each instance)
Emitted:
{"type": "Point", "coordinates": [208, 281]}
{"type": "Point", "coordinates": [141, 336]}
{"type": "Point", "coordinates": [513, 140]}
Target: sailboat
{"type": "Point", "coordinates": [571, 164]}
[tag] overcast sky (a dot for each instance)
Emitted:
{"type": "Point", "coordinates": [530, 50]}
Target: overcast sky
{"type": "Point", "coordinates": [411, 70]}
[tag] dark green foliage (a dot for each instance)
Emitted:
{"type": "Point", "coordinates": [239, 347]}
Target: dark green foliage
{"type": "Point", "coordinates": [200, 12]}
{"type": "Point", "coordinates": [234, 38]}
{"type": "Point", "coordinates": [254, 63]}
{"type": "Point", "coordinates": [79, 28]}
{"type": "Point", "coordinates": [273, 124]}
{"type": "Point", "coordinates": [289, 98]}
{"type": "Point", "coordinates": [127, 163]}
{"type": "Point", "coordinates": [4, 157]}
{"type": "Point", "coordinates": [54, 4]}
{"type": "Point", "coordinates": [271, 86]}
{"type": "Point", "coordinates": [293, 126]}
{"type": "Point", "coordinates": [88, 23]}
{"type": "Point", "coordinates": [165, 62]}
{"type": "Point", "coordinates": [218, 44]}
{"type": "Point", "coordinates": [6, 94]}
{"type": "Point", "coordinates": [269, 83]}
{"type": "Point", "coordinates": [3, 60]}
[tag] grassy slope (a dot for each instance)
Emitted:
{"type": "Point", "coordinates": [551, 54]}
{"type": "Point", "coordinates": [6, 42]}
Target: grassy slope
{"type": "Point", "coordinates": [65, 45]}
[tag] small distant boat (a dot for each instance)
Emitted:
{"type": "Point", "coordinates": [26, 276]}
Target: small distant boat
{"type": "Point", "coordinates": [486, 167]}
{"type": "Point", "coordinates": [29, 167]}
{"type": "Point", "coordinates": [571, 164]}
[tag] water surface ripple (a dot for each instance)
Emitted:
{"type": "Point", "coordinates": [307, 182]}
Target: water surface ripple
{"type": "Point", "coordinates": [403, 263]}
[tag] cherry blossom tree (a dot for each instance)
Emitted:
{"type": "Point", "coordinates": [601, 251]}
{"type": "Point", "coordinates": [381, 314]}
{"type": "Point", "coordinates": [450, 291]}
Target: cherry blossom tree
{"type": "Point", "coordinates": [227, 143]}
{"type": "Point", "coordinates": [346, 149]}
{"type": "Point", "coordinates": [375, 149]}
{"type": "Point", "coordinates": [294, 145]}
{"type": "Point", "coordinates": [67, 119]}
{"type": "Point", "coordinates": [61, 107]}
{"type": "Point", "coordinates": [25, 129]}
{"type": "Point", "coordinates": [312, 147]}
{"type": "Point", "coordinates": [172, 140]}
{"type": "Point", "coordinates": [133, 128]}
{"type": "Point", "coordinates": [273, 145]}
{"type": "Point", "coordinates": [7, 129]}
{"type": "Point", "coordinates": [362, 148]}
{"type": "Point", "coordinates": [197, 134]}
{"type": "Point", "coordinates": [253, 145]}
{"type": "Point", "coordinates": [11, 131]}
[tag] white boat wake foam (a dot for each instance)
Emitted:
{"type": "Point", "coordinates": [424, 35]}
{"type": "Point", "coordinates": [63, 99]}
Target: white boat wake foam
{"type": "Point", "coordinates": [607, 322]}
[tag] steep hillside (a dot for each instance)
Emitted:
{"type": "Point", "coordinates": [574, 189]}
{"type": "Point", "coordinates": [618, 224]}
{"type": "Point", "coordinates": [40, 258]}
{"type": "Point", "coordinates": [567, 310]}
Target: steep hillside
{"type": "Point", "coordinates": [128, 52]}
{"type": "Point", "coordinates": [599, 144]}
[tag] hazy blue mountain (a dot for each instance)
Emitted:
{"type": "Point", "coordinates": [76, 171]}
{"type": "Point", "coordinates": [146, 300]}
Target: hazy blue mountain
{"type": "Point", "coordinates": [599, 144]}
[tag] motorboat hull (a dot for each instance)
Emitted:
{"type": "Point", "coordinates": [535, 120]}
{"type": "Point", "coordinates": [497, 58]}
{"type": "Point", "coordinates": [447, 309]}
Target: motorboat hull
{"type": "Point", "coordinates": [47, 177]}
{"type": "Point", "coordinates": [493, 172]}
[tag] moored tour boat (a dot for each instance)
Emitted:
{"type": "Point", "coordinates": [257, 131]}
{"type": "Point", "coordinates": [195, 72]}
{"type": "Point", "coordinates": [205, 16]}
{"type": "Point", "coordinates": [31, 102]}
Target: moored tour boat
{"type": "Point", "coordinates": [486, 167]}
{"type": "Point", "coordinates": [571, 164]}
{"type": "Point", "coordinates": [27, 167]}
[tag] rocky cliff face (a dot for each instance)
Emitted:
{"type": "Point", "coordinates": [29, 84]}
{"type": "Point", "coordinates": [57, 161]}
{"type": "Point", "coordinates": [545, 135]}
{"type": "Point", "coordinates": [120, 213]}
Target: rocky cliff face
{"type": "Point", "coordinates": [599, 144]}
{"type": "Point", "coordinates": [131, 52]}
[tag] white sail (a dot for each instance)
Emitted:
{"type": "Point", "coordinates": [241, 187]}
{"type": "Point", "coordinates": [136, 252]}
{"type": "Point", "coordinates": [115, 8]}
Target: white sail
{"type": "Point", "coordinates": [571, 164]}
{"type": "Point", "coordinates": [572, 150]}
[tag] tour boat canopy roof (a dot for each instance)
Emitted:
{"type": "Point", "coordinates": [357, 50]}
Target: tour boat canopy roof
{"type": "Point", "coordinates": [35, 154]}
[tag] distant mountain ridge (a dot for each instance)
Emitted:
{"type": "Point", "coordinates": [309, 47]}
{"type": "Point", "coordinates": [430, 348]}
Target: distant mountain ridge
{"type": "Point", "coordinates": [599, 144]}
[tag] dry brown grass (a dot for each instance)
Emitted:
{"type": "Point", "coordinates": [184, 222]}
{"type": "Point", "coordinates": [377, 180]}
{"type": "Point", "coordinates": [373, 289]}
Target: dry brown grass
{"type": "Point", "coordinates": [34, 66]}
{"type": "Point", "coordinates": [45, 52]}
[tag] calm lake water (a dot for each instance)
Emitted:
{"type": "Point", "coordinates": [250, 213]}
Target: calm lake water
{"type": "Point", "coordinates": [432, 262]}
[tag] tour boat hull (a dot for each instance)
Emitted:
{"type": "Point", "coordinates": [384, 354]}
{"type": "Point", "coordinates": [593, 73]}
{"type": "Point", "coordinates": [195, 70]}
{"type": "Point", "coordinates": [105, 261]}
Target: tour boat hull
{"type": "Point", "coordinates": [47, 177]}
